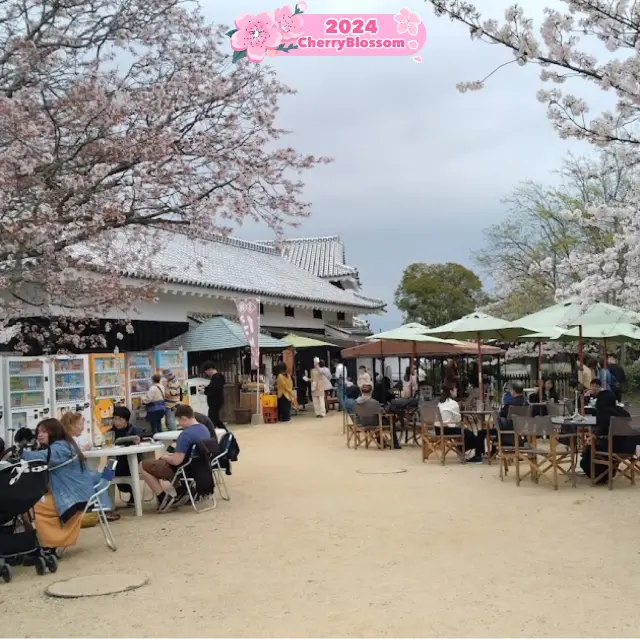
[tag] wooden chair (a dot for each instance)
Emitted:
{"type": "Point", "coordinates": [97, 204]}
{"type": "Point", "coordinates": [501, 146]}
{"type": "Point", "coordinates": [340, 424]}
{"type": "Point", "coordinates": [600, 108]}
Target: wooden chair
{"type": "Point", "coordinates": [369, 426]}
{"type": "Point", "coordinates": [434, 439]}
{"type": "Point", "coordinates": [543, 460]}
{"type": "Point", "coordinates": [506, 452]}
{"type": "Point", "coordinates": [625, 463]}
{"type": "Point", "coordinates": [430, 440]}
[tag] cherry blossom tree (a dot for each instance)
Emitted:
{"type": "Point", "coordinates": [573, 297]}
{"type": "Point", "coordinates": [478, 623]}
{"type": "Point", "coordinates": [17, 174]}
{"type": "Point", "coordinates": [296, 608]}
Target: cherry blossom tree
{"type": "Point", "coordinates": [126, 113]}
{"type": "Point", "coordinates": [561, 48]}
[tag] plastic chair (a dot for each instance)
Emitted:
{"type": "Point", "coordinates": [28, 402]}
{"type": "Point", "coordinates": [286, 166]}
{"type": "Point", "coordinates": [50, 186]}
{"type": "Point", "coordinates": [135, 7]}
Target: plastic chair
{"type": "Point", "coordinates": [96, 506]}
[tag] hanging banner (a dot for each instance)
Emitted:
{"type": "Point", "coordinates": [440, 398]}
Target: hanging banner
{"type": "Point", "coordinates": [249, 316]}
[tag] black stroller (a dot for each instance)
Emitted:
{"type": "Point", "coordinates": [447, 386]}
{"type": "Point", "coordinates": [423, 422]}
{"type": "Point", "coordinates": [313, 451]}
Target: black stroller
{"type": "Point", "coordinates": [22, 485]}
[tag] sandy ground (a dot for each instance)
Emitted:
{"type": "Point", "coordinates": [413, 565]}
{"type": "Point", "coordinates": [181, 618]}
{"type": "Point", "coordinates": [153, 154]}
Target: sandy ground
{"type": "Point", "coordinates": [310, 547]}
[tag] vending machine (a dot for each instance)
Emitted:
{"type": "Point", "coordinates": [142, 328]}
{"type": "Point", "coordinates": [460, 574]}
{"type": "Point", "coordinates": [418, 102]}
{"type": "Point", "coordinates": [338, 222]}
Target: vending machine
{"type": "Point", "coordinates": [197, 398]}
{"type": "Point", "coordinates": [27, 393]}
{"type": "Point", "coordinates": [108, 388]}
{"type": "Point", "coordinates": [70, 387]}
{"type": "Point", "coordinates": [140, 368]}
{"type": "Point", "coordinates": [177, 362]}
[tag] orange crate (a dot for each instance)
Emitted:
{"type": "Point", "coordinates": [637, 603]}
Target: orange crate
{"type": "Point", "coordinates": [269, 415]}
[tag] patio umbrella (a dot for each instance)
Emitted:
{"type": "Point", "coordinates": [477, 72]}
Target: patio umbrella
{"type": "Point", "coordinates": [574, 313]}
{"type": "Point", "coordinates": [479, 326]}
{"type": "Point", "coordinates": [413, 333]}
{"type": "Point", "coordinates": [551, 333]}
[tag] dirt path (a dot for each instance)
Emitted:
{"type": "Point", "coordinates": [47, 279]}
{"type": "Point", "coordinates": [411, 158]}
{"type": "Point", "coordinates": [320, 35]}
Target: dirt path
{"type": "Point", "coordinates": [310, 547]}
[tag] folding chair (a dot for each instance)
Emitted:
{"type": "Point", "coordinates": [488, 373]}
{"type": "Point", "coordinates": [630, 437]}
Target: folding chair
{"type": "Point", "coordinates": [219, 472]}
{"type": "Point", "coordinates": [625, 463]}
{"type": "Point", "coordinates": [94, 504]}
{"type": "Point", "coordinates": [542, 460]}
{"type": "Point", "coordinates": [187, 476]}
{"type": "Point", "coordinates": [368, 421]}
{"type": "Point", "coordinates": [556, 409]}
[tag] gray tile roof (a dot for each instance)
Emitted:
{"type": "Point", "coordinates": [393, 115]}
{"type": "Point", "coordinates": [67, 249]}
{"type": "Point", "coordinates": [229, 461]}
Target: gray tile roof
{"type": "Point", "coordinates": [322, 256]}
{"type": "Point", "coordinates": [226, 264]}
{"type": "Point", "coordinates": [218, 334]}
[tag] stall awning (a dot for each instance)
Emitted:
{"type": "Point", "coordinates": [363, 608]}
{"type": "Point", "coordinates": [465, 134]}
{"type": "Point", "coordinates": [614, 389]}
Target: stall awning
{"type": "Point", "coordinates": [300, 342]}
{"type": "Point", "coordinates": [395, 348]}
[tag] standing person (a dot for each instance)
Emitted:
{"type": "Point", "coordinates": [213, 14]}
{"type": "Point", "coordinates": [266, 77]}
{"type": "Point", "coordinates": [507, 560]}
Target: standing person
{"type": "Point", "coordinates": [340, 380]}
{"type": "Point", "coordinates": [326, 379]}
{"type": "Point", "coordinates": [302, 388]}
{"type": "Point", "coordinates": [451, 375]}
{"type": "Point", "coordinates": [317, 389]}
{"type": "Point", "coordinates": [588, 372]}
{"type": "Point", "coordinates": [409, 384]}
{"type": "Point", "coordinates": [215, 393]}
{"type": "Point", "coordinates": [172, 397]}
{"type": "Point", "coordinates": [154, 401]}
{"type": "Point", "coordinates": [284, 391]}
{"type": "Point", "coordinates": [620, 377]}
{"type": "Point", "coordinates": [364, 379]}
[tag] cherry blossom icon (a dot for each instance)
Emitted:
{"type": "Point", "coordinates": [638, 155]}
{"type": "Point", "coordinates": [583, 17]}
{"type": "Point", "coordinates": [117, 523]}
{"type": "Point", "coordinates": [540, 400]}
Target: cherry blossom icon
{"type": "Point", "coordinates": [289, 23]}
{"type": "Point", "coordinates": [407, 21]}
{"type": "Point", "coordinates": [256, 34]}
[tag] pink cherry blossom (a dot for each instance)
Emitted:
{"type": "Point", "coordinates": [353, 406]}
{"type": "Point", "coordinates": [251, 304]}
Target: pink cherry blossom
{"type": "Point", "coordinates": [256, 34]}
{"type": "Point", "coordinates": [289, 24]}
{"type": "Point", "coordinates": [125, 115]}
{"type": "Point", "coordinates": [407, 21]}
{"type": "Point", "coordinates": [302, 6]}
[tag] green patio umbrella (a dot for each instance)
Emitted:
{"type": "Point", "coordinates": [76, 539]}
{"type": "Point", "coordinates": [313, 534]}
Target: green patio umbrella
{"type": "Point", "coordinates": [478, 327]}
{"type": "Point", "coordinates": [574, 313]}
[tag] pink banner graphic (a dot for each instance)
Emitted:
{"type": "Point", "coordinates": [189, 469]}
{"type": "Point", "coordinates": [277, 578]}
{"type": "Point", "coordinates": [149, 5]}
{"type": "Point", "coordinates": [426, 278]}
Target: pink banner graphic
{"type": "Point", "coordinates": [287, 32]}
{"type": "Point", "coordinates": [249, 316]}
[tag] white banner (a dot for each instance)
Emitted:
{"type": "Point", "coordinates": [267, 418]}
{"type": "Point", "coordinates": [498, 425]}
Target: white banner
{"type": "Point", "coordinates": [249, 316]}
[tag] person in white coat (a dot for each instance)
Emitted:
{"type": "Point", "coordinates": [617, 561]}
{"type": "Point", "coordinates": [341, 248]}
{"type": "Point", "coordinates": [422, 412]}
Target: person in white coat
{"type": "Point", "coordinates": [317, 389]}
{"type": "Point", "coordinates": [452, 424]}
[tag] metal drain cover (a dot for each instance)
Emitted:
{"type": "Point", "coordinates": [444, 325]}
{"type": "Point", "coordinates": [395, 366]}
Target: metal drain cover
{"type": "Point", "coordinates": [383, 471]}
{"type": "Point", "coordinates": [96, 585]}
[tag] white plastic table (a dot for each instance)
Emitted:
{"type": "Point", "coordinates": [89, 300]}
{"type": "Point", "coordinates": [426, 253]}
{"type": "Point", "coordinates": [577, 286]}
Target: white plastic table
{"type": "Point", "coordinates": [131, 452]}
{"type": "Point", "coordinates": [170, 436]}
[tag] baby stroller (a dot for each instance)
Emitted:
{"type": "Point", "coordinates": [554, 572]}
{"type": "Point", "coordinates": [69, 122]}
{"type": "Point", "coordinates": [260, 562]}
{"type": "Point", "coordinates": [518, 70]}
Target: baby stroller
{"type": "Point", "coordinates": [22, 485]}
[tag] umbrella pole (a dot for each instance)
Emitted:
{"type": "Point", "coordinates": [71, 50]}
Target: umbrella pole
{"type": "Point", "coordinates": [540, 372]}
{"type": "Point", "coordinates": [581, 362]}
{"type": "Point", "coordinates": [480, 376]}
{"type": "Point", "coordinates": [606, 363]}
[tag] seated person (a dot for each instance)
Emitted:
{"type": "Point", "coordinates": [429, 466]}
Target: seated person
{"type": "Point", "coordinates": [351, 393]}
{"type": "Point", "coordinates": [122, 428]}
{"type": "Point", "coordinates": [58, 517]}
{"type": "Point", "coordinates": [376, 408]}
{"type": "Point", "coordinates": [606, 408]}
{"type": "Point", "coordinates": [516, 399]}
{"type": "Point", "coordinates": [153, 471]}
{"type": "Point", "coordinates": [73, 424]}
{"type": "Point", "coordinates": [205, 421]}
{"type": "Point", "coordinates": [452, 424]}
{"type": "Point", "coordinates": [549, 394]}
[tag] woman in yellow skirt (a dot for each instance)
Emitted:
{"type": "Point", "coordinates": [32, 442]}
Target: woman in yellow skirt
{"type": "Point", "coordinates": [58, 516]}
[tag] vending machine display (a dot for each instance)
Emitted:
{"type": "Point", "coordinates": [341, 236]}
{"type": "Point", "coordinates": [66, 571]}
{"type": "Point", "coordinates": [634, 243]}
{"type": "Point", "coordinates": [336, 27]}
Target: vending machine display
{"type": "Point", "coordinates": [70, 387]}
{"type": "Point", "coordinates": [28, 398]}
{"type": "Point", "coordinates": [177, 362]}
{"type": "Point", "coordinates": [139, 372]}
{"type": "Point", "coordinates": [107, 388]}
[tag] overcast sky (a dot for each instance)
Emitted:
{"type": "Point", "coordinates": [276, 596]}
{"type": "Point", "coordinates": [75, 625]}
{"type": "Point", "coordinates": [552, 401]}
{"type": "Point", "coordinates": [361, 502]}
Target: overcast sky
{"type": "Point", "coordinates": [419, 168]}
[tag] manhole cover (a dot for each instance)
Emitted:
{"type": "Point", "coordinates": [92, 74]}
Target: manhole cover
{"type": "Point", "coordinates": [383, 471]}
{"type": "Point", "coordinates": [96, 585]}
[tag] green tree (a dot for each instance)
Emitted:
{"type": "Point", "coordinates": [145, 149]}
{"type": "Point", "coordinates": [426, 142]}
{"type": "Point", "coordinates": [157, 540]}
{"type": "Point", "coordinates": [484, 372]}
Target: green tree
{"type": "Point", "coordinates": [435, 294]}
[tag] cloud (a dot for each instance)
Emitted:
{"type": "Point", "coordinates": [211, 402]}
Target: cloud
{"type": "Point", "coordinates": [419, 169]}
